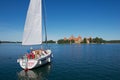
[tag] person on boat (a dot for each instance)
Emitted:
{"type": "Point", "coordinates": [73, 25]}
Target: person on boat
{"type": "Point", "coordinates": [28, 56]}
{"type": "Point", "coordinates": [37, 53]}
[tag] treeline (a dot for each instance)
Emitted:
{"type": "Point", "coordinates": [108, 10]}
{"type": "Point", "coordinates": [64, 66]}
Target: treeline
{"type": "Point", "coordinates": [10, 42]}
{"type": "Point", "coordinates": [113, 41]}
{"type": "Point", "coordinates": [49, 41]}
{"type": "Point", "coordinates": [93, 40]}
{"type": "Point", "coordinates": [62, 41]}
{"type": "Point", "coordinates": [85, 40]}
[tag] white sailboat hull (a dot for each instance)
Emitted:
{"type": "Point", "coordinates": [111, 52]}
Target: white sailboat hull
{"type": "Point", "coordinates": [34, 63]}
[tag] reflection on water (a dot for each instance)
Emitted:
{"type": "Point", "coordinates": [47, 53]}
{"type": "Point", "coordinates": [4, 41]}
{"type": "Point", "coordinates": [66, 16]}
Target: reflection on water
{"type": "Point", "coordinates": [36, 74]}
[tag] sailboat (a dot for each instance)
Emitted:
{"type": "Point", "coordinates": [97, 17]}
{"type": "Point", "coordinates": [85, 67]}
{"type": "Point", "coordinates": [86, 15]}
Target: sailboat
{"type": "Point", "coordinates": [33, 36]}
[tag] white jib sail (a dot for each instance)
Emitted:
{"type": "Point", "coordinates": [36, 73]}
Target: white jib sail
{"type": "Point", "coordinates": [33, 26]}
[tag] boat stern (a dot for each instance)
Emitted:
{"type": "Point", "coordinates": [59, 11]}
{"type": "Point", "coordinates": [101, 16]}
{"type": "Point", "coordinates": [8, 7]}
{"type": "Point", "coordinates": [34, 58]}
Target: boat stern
{"type": "Point", "coordinates": [29, 64]}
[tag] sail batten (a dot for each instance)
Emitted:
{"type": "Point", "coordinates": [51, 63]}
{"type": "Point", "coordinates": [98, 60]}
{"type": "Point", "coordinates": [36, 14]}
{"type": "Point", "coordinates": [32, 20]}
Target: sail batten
{"type": "Point", "coordinates": [33, 26]}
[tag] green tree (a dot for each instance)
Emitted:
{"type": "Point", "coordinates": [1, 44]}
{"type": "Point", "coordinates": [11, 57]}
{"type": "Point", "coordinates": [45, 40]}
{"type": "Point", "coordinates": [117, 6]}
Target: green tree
{"type": "Point", "coordinates": [66, 41]}
{"type": "Point", "coordinates": [61, 41]}
{"type": "Point", "coordinates": [98, 40]}
{"type": "Point", "coordinates": [72, 41]}
{"type": "Point", "coordinates": [84, 40]}
{"type": "Point", "coordinates": [50, 41]}
{"type": "Point", "coordinates": [90, 39]}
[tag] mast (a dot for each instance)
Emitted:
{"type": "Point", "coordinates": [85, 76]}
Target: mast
{"type": "Point", "coordinates": [44, 18]}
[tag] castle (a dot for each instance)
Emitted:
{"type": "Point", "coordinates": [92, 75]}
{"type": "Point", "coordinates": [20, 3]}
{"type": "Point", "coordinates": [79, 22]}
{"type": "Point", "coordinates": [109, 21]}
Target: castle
{"type": "Point", "coordinates": [76, 40]}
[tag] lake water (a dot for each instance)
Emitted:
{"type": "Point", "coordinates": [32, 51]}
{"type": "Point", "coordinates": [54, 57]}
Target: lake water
{"type": "Point", "coordinates": [70, 62]}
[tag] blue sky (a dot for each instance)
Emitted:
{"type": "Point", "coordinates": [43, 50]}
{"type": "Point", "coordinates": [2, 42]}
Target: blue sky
{"type": "Point", "coordinates": [87, 18]}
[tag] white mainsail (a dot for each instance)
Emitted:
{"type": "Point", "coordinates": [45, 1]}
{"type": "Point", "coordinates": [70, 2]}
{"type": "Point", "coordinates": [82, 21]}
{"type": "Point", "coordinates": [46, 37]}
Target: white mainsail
{"type": "Point", "coordinates": [33, 26]}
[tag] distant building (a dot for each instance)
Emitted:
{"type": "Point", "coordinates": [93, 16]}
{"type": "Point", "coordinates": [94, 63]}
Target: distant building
{"type": "Point", "coordinates": [76, 40]}
{"type": "Point", "coordinates": [87, 41]}
{"type": "Point", "coordinates": [65, 38]}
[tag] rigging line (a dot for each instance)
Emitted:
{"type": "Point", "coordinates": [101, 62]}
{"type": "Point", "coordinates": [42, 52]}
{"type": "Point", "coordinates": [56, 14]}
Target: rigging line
{"type": "Point", "coordinates": [44, 16]}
